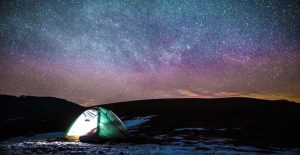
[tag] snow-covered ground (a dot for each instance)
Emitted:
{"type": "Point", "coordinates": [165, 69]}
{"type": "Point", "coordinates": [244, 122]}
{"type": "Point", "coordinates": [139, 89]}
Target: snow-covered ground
{"type": "Point", "coordinates": [52, 143]}
{"type": "Point", "coordinates": [39, 145]}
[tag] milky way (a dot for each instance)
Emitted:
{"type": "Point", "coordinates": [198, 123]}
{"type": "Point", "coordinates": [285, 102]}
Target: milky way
{"type": "Point", "coordinates": [97, 52]}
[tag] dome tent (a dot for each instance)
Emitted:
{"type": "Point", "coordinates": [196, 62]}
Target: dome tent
{"type": "Point", "coordinates": [94, 125]}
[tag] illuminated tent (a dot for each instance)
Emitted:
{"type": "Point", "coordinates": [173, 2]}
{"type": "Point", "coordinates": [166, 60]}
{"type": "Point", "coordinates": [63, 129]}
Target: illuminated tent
{"type": "Point", "coordinates": [93, 125]}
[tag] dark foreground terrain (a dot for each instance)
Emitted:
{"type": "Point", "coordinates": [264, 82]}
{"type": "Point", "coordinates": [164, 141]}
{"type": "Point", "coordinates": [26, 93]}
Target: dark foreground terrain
{"type": "Point", "coordinates": [243, 120]}
{"type": "Point", "coordinates": [27, 115]}
{"type": "Point", "coordinates": [162, 126]}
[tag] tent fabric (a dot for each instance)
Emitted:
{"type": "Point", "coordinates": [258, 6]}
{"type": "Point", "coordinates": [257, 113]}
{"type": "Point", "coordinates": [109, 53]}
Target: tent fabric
{"type": "Point", "coordinates": [96, 124]}
{"type": "Point", "coordinates": [110, 126]}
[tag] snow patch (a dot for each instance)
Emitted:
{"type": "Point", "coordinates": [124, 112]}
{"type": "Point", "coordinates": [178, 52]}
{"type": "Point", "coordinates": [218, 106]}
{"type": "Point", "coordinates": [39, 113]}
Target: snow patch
{"type": "Point", "coordinates": [137, 121]}
{"type": "Point", "coordinates": [191, 129]}
{"type": "Point", "coordinates": [221, 129]}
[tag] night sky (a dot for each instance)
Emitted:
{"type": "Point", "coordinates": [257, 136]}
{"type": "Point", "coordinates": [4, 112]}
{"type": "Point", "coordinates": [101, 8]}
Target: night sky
{"type": "Point", "coordinates": [103, 51]}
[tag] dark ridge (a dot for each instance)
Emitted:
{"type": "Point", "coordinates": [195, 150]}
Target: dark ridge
{"type": "Point", "coordinates": [27, 115]}
{"type": "Point", "coordinates": [246, 120]}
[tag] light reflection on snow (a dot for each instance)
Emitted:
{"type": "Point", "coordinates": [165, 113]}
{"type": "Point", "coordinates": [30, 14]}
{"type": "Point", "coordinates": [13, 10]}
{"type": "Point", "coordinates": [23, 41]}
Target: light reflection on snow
{"type": "Point", "coordinates": [40, 136]}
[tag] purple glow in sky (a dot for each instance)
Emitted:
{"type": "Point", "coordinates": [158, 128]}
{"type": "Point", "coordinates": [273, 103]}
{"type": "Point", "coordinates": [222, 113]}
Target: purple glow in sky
{"type": "Point", "coordinates": [97, 51]}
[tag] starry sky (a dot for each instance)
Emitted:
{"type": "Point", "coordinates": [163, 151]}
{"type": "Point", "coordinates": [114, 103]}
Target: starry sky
{"type": "Point", "coordinates": [102, 51]}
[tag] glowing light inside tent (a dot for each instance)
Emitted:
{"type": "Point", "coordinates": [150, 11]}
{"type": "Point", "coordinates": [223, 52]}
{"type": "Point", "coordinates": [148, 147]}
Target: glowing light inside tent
{"type": "Point", "coordinates": [103, 122]}
{"type": "Point", "coordinates": [85, 123]}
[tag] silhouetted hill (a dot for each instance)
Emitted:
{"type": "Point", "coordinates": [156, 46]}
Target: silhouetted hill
{"type": "Point", "coordinates": [29, 115]}
{"type": "Point", "coordinates": [244, 120]}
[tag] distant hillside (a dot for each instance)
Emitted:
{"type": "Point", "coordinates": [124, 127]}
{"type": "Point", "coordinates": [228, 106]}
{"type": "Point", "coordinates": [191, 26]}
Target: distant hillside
{"type": "Point", "coordinates": [190, 105]}
{"type": "Point", "coordinates": [28, 114]}
{"type": "Point", "coordinates": [245, 120]}
{"type": "Point", "coordinates": [242, 120]}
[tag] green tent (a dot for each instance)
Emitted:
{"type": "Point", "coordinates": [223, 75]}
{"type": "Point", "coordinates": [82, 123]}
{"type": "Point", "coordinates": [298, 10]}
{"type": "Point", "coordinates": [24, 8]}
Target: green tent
{"type": "Point", "coordinates": [93, 125]}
